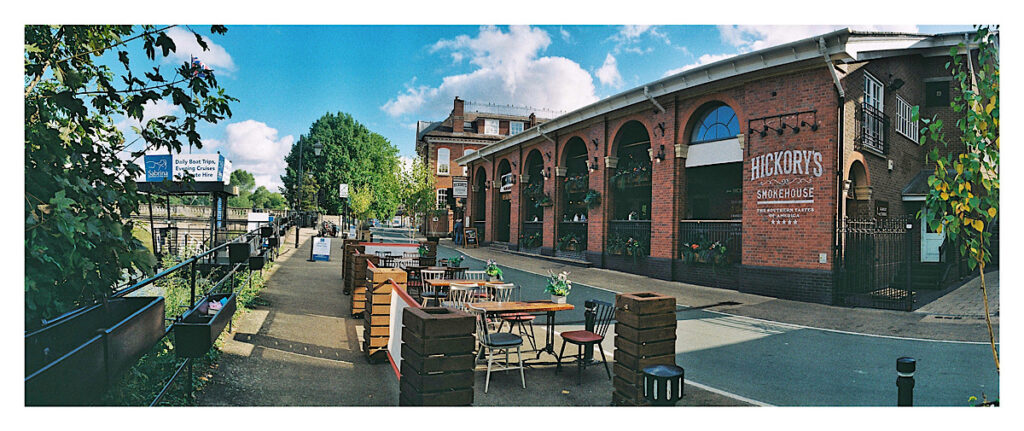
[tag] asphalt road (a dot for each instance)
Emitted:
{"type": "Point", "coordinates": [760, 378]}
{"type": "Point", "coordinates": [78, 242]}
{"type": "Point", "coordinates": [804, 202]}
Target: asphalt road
{"type": "Point", "coordinates": [780, 364]}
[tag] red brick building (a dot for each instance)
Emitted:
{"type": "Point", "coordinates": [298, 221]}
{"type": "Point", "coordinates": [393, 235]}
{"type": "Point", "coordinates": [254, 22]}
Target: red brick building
{"type": "Point", "coordinates": [768, 153]}
{"type": "Point", "coordinates": [440, 143]}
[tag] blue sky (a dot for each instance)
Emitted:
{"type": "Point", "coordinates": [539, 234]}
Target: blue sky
{"type": "Point", "coordinates": [388, 77]}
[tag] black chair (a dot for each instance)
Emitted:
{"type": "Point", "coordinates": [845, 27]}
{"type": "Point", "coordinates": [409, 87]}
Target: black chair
{"type": "Point", "coordinates": [583, 339]}
{"type": "Point", "coordinates": [414, 282]}
{"type": "Point", "coordinates": [455, 272]}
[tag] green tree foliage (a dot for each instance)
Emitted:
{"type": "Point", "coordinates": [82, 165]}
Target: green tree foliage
{"type": "Point", "coordinates": [362, 200]}
{"type": "Point", "coordinates": [418, 193]}
{"type": "Point", "coordinates": [243, 179]}
{"type": "Point", "coordinates": [352, 154]}
{"type": "Point", "coordinates": [78, 192]}
{"type": "Point", "coordinates": [963, 199]}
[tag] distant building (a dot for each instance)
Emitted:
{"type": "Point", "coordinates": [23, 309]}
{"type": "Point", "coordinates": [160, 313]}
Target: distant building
{"type": "Point", "coordinates": [439, 143]}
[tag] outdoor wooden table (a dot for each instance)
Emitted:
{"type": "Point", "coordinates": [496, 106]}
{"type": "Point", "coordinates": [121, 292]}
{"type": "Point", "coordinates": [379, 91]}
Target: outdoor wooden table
{"type": "Point", "coordinates": [491, 307]}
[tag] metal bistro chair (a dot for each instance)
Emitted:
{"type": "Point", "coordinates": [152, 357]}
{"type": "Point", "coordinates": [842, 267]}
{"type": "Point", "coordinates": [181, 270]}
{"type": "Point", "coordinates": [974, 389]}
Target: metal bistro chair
{"type": "Point", "coordinates": [414, 281]}
{"type": "Point", "coordinates": [455, 272]}
{"type": "Point", "coordinates": [387, 261]}
{"type": "Point", "coordinates": [429, 292]}
{"type": "Point", "coordinates": [584, 339]}
{"type": "Point", "coordinates": [459, 295]}
{"type": "Point", "coordinates": [510, 292]}
{"type": "Point", "coordinates": [411, 255]}
{"type": "Point", "coordinates": [497, 341]}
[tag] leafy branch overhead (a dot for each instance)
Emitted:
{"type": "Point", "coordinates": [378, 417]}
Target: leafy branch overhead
{"type": "Point", "coordinates": [963, 196]}
{"type": "Point", "coordinates": [80, 179]}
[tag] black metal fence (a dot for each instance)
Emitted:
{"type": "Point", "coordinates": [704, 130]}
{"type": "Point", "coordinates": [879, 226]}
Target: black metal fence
{"type": "Point", "coordinates": [726, 232]}
{"type": "Point", "coordinates": [532, 235]}
{"type": "Point", "coordinates": [209, 264]}
{"type": "Point", "coordinates": [620, 231]}
{"type": "Point", "coordinates": [576, 228]}
{"type": "Point", "coordinates": [874, 268]}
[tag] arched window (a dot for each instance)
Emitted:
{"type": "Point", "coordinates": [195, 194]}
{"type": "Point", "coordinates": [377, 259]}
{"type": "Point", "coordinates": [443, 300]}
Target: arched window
{"type": "Point", "coordinates": [718, 122]}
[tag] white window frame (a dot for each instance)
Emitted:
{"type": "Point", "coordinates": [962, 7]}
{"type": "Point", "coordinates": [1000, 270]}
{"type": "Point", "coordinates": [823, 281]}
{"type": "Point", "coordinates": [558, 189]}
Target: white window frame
{"type": "Point", "coordinates": [511, 127]}
{"type": "Point", "coordinates": [442, 199]}
{"type": "Point", "coordinates": [444, 163]}
{"type": "Point", "coordinates": [873, 126]}
{"type": "Point", "coordinates": [491, 127]}
{"type": "Point", "coordinates": [905, 123]}
{"type": "Point", "coordinates": [465, 169]}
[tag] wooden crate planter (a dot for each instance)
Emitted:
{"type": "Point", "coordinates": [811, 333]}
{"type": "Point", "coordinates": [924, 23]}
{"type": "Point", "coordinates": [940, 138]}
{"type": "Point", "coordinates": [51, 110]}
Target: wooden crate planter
{"type": "Point", "coordinates": [195, 333]}
{"type": "Point", "coordinates": [357, 282]}
{"type": "Point", "coordinates": [72, 360]}
{"type": "Point", "coordinates": [437, 357]}
{"type": "Point", "coordinates": [645, 335]}
{"type": "Point", "coordinates": [377, 316]}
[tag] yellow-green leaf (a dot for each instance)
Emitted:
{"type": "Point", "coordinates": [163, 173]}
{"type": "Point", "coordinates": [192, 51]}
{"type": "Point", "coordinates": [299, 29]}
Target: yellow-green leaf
{"type": "Point", "coordinates": [992, 212]}
{"type": "Point", "coordinates": [979, 225]}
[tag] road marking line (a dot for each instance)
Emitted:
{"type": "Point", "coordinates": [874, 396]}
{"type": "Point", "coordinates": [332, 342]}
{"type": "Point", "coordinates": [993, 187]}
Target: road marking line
{"type": "Point", "coordinates": [794, 325]}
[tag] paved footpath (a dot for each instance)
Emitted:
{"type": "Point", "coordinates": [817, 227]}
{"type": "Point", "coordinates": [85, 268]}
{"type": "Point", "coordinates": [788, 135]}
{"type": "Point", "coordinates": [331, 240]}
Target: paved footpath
{"type": "Point", "coordinates": [764, 350]}
{"type": "Point", "coordinates": [302, 348]}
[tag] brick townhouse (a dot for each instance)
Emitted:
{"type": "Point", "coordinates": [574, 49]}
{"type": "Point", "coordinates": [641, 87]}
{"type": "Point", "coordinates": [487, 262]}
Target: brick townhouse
{"type": "Point", "coordinates": [771, 154]}
{"type": "Point", "coordinates": [439, 143]}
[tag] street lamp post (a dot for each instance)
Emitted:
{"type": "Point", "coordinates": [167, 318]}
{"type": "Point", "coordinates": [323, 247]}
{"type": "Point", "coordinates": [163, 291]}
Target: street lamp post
{"type": "Point", "coordinates": [317, 148]}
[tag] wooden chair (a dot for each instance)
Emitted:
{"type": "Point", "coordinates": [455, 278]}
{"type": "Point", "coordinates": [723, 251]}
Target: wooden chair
{"type": "Point", "coordinates": [475, 275]}
{"type": "Point", "coordinates": [459, 295]}
{"type": "Point", "coordinates": [491, 342]}
{"type": "Point", "coordinates": [510, 292]}
{"type": "Point", "coordinates": [428, 292]}
{"type": "Point", "coordinates": [414, 282]}
{"type": "Point", "coordinates": [411, 255]}
{"type": "Point", "coordinates": [455, 272]}
{"type": "Point", "coordinates": [584, 339]}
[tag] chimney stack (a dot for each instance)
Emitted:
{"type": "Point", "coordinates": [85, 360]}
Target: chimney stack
{"type": "Point", "coordinates": [458, 116]}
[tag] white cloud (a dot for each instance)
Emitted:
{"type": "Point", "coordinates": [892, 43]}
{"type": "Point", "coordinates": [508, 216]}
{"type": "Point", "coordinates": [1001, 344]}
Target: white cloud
{"type": "Point", "coordinates": [702, 60]}
{"type": "Point", "coordinates": [216, 57]}
{"type": "Point", "coordinates": [256, 148]}
{"type": "Point", "coordinates": [565, 34]}
{"type": "Point", "coordinates": [754, 37]}
{"type": "Point", "coordinates": [608, 73]}
{"type": "Point", "coordinates": [508, 70]}
{"type": "Point", "coordinates": [629, 38]}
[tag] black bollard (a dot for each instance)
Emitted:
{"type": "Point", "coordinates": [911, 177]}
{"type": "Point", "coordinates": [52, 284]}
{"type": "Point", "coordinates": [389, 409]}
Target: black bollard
{"type": "Point", "coordinates": [905, 368]}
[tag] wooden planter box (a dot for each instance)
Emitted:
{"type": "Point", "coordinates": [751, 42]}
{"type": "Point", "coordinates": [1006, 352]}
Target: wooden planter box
{"type": "Point", "coordinates": [195, 333]}
{"type": "Point", "coordinates": [71, 361]}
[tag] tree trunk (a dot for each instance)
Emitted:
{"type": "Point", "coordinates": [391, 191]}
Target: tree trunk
{"type": "Point", "coordinates": [988, 318]}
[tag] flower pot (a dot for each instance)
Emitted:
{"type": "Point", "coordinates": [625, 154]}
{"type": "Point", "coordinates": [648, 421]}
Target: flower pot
{"type": "Point", "coordinates": [238, 252]}
{"type": "Point", "coordinates": [256, 263]}
{"type": "Point", "coordinates": [266, 231]}
{"type": "Point", "coordinates": [72, 360]}
{"type": "Point", "coordinates": [273, 242]}
{"type": "Point", "coordinates": [195, 333]}
{"type": "Point", "coordinates": [558, 299]}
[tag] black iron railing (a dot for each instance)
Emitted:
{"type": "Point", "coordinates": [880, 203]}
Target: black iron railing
{"type": "Point", "coordinates": [207, 259]}
{"type": "Point", "coordinates": [874, 265]}
{"type": "Point", "coordinates": [872, 129]}
{"type": "Point", "coordinates": [725, 232]}
{"type": "Point", "coordinates": [572, 229]}
{"type": "Point", "coordinates": [532, 235]}
{"type": "Point", "coordinates": [621, 231]}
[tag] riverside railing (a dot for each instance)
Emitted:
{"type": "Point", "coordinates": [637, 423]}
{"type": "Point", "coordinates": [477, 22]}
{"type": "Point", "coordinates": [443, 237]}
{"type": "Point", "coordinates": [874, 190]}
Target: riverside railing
{"type": "Point", "coordinates": [208, 261]}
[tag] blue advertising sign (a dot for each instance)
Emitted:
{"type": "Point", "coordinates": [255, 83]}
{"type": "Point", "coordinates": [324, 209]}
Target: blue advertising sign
{"type": "Point", "coordinates": [158, 167]}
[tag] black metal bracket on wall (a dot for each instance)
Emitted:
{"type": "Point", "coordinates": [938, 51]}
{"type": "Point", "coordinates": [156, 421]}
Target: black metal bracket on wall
{"type": "Point", "coordinates": [794, 121]}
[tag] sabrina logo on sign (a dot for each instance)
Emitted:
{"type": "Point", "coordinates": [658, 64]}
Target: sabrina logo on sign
{"type": "Point", "coordinates": [787, 162]}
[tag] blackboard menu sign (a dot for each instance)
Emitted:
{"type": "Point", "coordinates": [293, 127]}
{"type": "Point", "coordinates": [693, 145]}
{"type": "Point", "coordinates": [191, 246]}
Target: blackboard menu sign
{"type": "Point", "coordinates": [471, 237]}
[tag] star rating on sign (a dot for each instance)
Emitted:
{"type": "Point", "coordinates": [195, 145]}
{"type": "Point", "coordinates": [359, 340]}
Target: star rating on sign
{"type": "Point", "coordinates": [787, 222]}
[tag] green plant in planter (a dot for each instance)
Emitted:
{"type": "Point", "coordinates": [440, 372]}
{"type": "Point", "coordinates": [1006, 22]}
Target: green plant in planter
{"type": "Point", "coordinates": [456, 261]}
{"type": "Point", "coordinates": [423, 250]}
{"type": "Point", "coordinates": [532, 240]}
{"type": "Point", "coordinates": [544, 201]}
{"type": "Point", "coordinates": [569, 242]}
{"type": "Point", "coordinates": [704, 251]}
{"type": "Point", "coordinates": [493, 270]}
{"type": "Point", "coordinates": [577, 183]}
{"type": "Point", "coordinates": [592, 199]}
{"type": "Point", "coordinates": [558, 285]}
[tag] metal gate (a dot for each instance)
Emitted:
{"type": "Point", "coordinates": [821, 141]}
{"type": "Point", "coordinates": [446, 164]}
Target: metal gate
{"type": "Point", "coordinates": [874, 269]}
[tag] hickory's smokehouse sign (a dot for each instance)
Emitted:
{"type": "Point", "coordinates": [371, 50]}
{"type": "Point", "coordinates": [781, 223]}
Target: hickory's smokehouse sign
{"type": "Point", "coordinates": [785, 178]}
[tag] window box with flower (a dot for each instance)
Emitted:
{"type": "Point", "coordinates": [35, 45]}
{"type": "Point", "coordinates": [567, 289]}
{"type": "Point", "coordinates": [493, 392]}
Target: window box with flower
{"type": "Point", "coordinates": [705, 252]}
